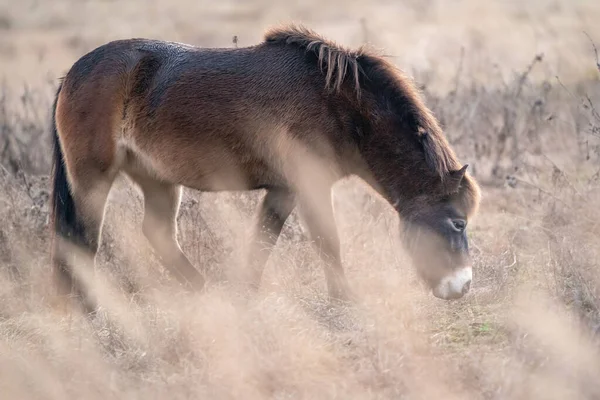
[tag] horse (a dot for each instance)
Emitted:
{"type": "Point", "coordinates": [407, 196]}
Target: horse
{"type": "Point", "coordinates": [290, 115]}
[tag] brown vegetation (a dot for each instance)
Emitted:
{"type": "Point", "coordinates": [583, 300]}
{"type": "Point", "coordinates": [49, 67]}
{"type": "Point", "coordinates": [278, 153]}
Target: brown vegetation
{"type": "Point", "coordinates": [529, 328]}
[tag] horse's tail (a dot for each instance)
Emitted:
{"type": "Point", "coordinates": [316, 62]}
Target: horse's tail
{"type": "Point", "coordinates": [62, 216]}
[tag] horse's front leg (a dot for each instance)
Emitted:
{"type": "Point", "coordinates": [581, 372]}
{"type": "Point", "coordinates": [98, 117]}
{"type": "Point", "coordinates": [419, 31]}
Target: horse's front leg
{"type": "Point", "coordinates": [275, 208]}
{"type": "Point", "coordinates": [317, 212]}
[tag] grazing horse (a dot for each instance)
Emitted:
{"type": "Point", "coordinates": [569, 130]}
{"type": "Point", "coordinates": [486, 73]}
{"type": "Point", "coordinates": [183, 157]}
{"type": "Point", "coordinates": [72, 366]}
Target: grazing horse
{"type": "Point", "coordinates": [291, 115]}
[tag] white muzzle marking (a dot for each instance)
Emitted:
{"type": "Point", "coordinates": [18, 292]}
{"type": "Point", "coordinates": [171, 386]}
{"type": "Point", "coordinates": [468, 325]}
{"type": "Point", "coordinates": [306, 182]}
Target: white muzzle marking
{"type": "Point", "coordinates": [454, 286]}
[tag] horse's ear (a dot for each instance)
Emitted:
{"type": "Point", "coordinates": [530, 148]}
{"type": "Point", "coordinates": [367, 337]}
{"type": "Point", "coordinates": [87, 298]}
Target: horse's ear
{"type": "Point", "coordinates": [454, 179]}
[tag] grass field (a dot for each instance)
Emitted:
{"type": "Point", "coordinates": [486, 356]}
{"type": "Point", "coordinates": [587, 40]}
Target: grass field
{"type": "Point", "coordinates": [516, 87]}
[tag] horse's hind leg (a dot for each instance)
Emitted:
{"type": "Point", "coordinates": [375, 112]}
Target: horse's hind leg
{"type": "Point", "coordinates": [78, 227]}
{"type": "Point", "coordinates": [161, 205]}
{"type": "Point", "coordinates": [276, 207]}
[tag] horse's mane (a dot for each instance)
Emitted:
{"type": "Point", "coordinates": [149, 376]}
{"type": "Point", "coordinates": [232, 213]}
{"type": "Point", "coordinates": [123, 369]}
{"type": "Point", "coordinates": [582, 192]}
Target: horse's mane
{"type": "Point", "coordinates": [366, 66]}
{"type": "Point", "coordinates": [342, 65]}
{"type": "Point", "coordinates": [337, 60]}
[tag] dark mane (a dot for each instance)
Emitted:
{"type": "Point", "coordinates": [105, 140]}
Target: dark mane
{"type": "Point", "coordinates": [332, 57]}
{"type": "Point", "coordinates": [380, 78]}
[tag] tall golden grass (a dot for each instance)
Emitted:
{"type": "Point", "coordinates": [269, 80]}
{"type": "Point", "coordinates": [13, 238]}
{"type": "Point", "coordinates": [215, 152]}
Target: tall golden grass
{"type": "Point", "coordinates": [529, 329]}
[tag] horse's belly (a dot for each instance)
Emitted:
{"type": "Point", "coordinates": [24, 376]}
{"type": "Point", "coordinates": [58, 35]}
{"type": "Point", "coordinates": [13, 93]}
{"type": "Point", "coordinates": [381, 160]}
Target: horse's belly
{"type": "Point", "coordinates": [202, 166]}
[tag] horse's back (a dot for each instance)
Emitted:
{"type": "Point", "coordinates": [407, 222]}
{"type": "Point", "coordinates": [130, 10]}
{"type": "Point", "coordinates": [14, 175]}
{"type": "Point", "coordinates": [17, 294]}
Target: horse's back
{"type": "Point", "coordinates": [200, 117]}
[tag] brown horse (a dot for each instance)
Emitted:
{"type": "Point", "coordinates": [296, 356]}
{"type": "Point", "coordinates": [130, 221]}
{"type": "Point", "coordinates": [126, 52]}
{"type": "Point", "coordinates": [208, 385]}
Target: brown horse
{"type": "Point", "coordinates": [291, 115]}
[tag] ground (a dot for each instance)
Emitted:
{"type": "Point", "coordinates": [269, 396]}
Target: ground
{"type": "Point", "coordinates": [516, 86]}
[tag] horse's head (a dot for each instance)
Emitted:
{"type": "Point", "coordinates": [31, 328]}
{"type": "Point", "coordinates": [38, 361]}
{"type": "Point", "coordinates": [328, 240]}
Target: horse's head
{"type": "Point", "coordinates": [435, 234]}
{"type": "Point", "coordinates": [405, 156]}
{"type": "Point", "coordinates": [435, 210]}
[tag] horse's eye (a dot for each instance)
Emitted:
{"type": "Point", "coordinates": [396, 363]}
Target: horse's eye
{"type": "Point", "coordinates": [459, 224]}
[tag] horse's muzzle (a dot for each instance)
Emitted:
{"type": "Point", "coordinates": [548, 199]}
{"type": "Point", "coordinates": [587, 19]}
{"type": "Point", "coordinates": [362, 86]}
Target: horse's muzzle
{"type": "Point", "coordinates": [454, 286]}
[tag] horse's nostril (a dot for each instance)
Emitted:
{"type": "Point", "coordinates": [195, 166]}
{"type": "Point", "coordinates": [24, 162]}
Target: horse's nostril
{"type": "Point", "coordinates": [466, 287]}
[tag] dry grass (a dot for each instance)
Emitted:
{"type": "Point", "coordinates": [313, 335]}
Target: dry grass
{"type": "Point", "coordinates": [529, 329]}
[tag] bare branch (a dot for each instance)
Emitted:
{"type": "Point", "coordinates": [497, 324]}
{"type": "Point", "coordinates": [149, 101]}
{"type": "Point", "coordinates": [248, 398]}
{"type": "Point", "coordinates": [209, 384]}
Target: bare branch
{"type": "Point", "coordinates": [564, 175]}
{"type": "Point", "coordinates": [564, 87]}
{"type": "Point", "coordinates": [537, 59]}
{"type": "Point", "coordinates": [459, 71]}
{"type": "Point", "coordinates": [592, 108]}
{"type": "Point", "coordinates": [595, 50]}
{"type": "Point", "coordinates": [587, 106]}
{"type": "Point", "coordinates": [548, 194]}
